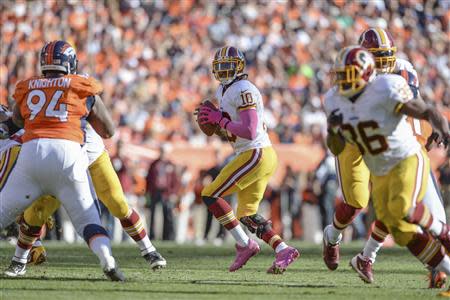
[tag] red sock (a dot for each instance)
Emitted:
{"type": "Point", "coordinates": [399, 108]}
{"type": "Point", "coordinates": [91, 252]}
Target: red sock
{"type": "Point", "coordinates": [426, 249]}
{"type": "Point", "coordinates": [222, 211]}
{"type": "Point", "coordinates": [133, 226]}
{"type": "Point", "coordinates": [28, 235]}
{"type": "Point", "coordinates": [379, 232]}
{"type": "Point", "coordinates": [344, 215]}
{"type": "Point", "coordinates": [271, 238]}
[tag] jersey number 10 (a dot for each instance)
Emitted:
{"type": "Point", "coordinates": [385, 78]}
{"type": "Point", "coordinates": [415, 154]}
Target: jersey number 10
{"type": "Point", "coordinates": [51, 111]}
{"type": "Point", "coordinates": [374, 143]}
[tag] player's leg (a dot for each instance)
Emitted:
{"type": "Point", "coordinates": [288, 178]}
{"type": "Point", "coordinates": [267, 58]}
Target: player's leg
{"type": "Point", "coordinates": [353, 177]}
{"type": "Point", "coordinates": [17, 191]}
{"type": "Point", "coordinates": [66, 178]}
{"type": "Point", "coordinates": [247, 213]}
{"type": "Point", "coordinates": [31, 224]}
{"type": "Point", "coordinates": [406, 185]}
{"type": "Point", "coordinates": [225, 184]}
{"type": "Point", "coordinates": [109, 190]}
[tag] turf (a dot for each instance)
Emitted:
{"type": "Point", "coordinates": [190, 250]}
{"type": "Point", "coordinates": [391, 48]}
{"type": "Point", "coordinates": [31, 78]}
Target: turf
{"type": "Point", "coordinates": [201, 273]}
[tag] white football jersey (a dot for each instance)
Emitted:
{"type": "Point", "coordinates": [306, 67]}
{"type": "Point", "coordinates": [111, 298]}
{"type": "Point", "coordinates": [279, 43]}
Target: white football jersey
{"type": "Point", "coordinates": [14, 140]}
{"type": "Point", "coordinates": [94, 144]}
{"type": "Point", "coordinates": [373, 123]}
{"type": "Point", "coordinates": [241, 95]}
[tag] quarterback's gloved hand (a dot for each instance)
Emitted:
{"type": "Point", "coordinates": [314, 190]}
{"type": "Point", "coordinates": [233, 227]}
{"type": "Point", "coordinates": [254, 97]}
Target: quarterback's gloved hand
{"type": "Point", "coordinates": [211, 116]}
{"type": "Point", "coordinates": [335, 120]}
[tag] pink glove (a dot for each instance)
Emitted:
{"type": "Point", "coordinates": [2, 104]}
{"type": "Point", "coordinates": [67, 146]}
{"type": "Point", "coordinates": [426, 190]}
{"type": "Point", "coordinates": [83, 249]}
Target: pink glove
{"type": "Point", "coordinates": [210, 116]}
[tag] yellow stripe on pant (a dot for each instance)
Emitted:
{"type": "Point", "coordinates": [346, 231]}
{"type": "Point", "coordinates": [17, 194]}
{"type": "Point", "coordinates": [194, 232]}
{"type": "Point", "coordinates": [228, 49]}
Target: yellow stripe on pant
{"type": "Point", "coordinates": [247, 175]}
{"type": "Point", "coordinates": [395, 193]}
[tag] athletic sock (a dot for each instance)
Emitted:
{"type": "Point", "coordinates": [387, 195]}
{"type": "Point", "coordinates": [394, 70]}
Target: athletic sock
{"type": "Point", "coordinates": [444, 265]}
{"type": "Point", "coordinates": [281, 247]}
{"type": "Point", "coordinates": [223, 212]}
{"type": "Point", "coordinates": [427, 249]}
{"type": "Point", "coordinates": [27, 236]}
{"type": "Point", "coordinates": [375, 241]}
{"type": "Point", "coordinates": [344, 216]}
{"type": "Point", "coordinates": [332, 234]}
{"type": "Point", "coordinates": [37, 243]}
{"type": "Point", "coordinates": [101, 246]}
{"type": "Point", "coordinates": [421, 216]}
{"type": "Point", "coordinates": [132, 225]}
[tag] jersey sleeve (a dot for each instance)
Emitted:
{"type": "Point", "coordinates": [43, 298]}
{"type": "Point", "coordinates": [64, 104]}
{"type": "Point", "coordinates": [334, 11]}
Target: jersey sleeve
{"type": "Point", "coordinates": [398, 91]}
{"type": "Point", "coordinates": [20, 91]}
{"type": "Point", "coordinates": [85, 86]}
{"type": "Point", "coordinates": [328, 103]}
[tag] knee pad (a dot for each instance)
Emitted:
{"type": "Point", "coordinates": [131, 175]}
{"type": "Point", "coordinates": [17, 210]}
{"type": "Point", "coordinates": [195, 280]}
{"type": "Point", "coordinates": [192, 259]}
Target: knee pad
{"type": "Point", "coordinates": [91, 230]}
{"type": "Point", "coordinates": [257, 224]}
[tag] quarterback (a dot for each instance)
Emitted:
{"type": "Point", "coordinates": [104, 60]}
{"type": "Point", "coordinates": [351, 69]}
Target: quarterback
{"type": "Point", "coordinates": [240, 118]}
{"type": "Point", "coordinates": [370, 112]}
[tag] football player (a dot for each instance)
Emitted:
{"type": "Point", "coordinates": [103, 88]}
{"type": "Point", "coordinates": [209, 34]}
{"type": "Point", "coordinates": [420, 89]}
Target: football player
{"type": "Point", "coordinates": [380, 43]}
{"type": "Point", "coordinates": [369, 112]}
{"type": "Point", "coordinates": [107, 187]}
{"type": "Point", "coordinates": [241, 120]}
{"type": "Point", "coordinates": [54, 109]}
{"type": "Point", "coordinates": [354, 175]}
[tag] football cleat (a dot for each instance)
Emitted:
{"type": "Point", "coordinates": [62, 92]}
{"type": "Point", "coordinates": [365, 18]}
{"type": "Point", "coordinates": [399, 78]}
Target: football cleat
{"type": "Point", "coordinates": [114, 274]}
{"type": "Point", "coordinates": [243, 254]}
{"type": "Point", "coordinates": [37, 256]}
{"type": "Point", "coordinates": [437, 279]}
{"type": "Point", "coordinates": [330, 255]}
{"type": "Point", "coordinates": [16, 269]}
{"type": "Point", "coordinates": [155, 260]}
{"type": "Point", "coordinates": [283, 259]}
{"type": "Point", "coordinates": [362, 266]}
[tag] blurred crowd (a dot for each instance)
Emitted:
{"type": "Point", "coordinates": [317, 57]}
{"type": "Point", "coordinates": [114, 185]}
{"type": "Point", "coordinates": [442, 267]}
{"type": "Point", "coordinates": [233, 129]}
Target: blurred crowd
{"type": "Point", "coordinates": [154, 61]}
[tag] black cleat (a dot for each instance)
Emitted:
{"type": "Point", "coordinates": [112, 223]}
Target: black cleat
{"type": "Point", "coordinates": [155, 260]}
{"type": "Point", "coordinates": [16, 269]}
{"type": "Point", "coordinates": [114, 274]}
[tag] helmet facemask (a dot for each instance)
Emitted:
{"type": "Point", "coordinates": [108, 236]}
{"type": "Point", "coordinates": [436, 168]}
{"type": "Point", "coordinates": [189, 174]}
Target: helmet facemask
{"type": "Point", "coordinates": [226, 69]}
{"type": "Point", "coordinates": [384, 60]}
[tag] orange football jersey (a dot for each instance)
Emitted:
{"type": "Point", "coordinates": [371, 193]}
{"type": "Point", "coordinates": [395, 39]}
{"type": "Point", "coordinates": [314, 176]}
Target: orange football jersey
{"type": "Point", "coordinates": [56, 107]}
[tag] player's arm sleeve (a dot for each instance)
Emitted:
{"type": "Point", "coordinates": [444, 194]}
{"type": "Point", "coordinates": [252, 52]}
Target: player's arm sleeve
{"type": "Point", "coordinates": [86, 86]}
{"type": "Point", "coordinates": [399, 93]}
{"type": "Point", "coordinates": [334, 140]}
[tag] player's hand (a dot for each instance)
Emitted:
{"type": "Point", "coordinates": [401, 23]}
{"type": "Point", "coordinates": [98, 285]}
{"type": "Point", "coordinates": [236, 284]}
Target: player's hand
{"type": "Point", "coordinates": [4, 132]}
{"type": "Point", "coordinates": [335, 120]}
{"type": "Point", "coordinates": [207, 115]}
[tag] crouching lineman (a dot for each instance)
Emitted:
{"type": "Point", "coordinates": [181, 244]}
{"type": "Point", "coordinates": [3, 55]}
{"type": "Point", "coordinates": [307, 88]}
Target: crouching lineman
{"type": "Point", "coordinates": [241, 119]}
{"type": "Point", "coordinates": [370, 112]}
{"type": "Point", "coordinates": [107, 187]}
{"type": "Point", "coordinates": [54, 110]}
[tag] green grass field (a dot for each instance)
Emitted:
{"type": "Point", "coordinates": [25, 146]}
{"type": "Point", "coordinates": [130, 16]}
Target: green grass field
{"type": "Point", "coordinates": [201, 273]}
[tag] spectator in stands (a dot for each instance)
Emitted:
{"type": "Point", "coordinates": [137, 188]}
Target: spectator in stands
{"type": "Point", "coordinates": [162, 187]}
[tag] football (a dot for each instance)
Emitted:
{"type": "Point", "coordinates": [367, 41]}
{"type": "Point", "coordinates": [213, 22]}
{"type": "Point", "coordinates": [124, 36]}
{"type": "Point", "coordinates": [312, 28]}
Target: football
{"type": "Point", "coordinates": [208, 129]}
